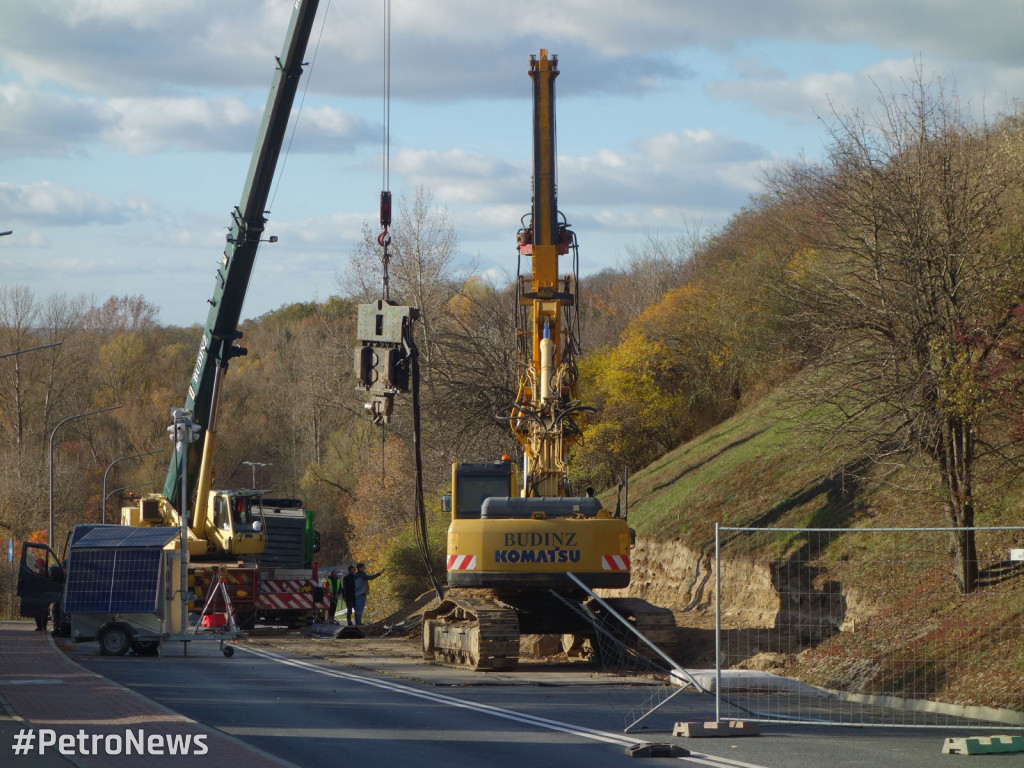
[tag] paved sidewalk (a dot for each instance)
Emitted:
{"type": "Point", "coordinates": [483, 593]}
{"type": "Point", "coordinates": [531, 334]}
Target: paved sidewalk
{"type": "Point", "coordinates": [47, 695]}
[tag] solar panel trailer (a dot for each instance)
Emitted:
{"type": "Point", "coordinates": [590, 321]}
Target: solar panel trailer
{"type": "Point", "coordinates": [121, 588]}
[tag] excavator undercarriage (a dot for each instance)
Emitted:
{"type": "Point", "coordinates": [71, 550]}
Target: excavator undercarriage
{"type": "Point", "coordinates": [474, 630]}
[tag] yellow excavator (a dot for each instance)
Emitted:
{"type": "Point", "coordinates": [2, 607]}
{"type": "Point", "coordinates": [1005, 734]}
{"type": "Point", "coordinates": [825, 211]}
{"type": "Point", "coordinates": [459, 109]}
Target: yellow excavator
{"type": "Point", "coordinates": [517, 538]}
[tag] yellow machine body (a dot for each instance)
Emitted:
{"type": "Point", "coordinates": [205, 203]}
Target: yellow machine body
{"type": "Point", "coordinates": [497, 540]}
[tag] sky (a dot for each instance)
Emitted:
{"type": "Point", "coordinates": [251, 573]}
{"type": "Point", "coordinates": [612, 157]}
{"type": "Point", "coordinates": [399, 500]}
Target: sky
{"type": "Point", "coordinates": [127, 126]}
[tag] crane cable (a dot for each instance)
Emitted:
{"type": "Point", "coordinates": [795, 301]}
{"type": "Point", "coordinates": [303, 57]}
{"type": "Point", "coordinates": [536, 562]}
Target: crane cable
{"type": "Point", "coordinates": [384, 238]}
{"type": "Point", "coordinates": [384, 241]}
{"type": "Point", "coordinates": [420, 527]}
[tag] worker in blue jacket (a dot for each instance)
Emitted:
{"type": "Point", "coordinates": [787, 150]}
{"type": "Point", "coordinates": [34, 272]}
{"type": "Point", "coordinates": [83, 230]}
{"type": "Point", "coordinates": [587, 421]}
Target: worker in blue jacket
{"type": "Point", "coordinates": [362, 580]}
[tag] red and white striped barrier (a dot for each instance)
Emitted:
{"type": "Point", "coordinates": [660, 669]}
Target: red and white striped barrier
{"type": "Point", "coordinates": [615, 562]}
{"type": "Point", "coordinates": [286, 585]}
{"type": "Point", "coordinates": [285, 601]}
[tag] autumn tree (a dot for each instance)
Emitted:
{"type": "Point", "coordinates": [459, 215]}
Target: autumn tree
{"type": "Point", "coordinates": [422, 267]}
{"type": "Point", "coordinates": [612, 298]}
{"type": "Point", "coordinates": [640, 413]}
{"type": "Point", "coordinates": [906, 289]}
{"type": "Point", "coordinates": [41, 391]}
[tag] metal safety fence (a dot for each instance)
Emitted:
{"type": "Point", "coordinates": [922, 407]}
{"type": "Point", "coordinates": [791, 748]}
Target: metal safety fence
{"type": "Point", "coordinates": [869, 627]}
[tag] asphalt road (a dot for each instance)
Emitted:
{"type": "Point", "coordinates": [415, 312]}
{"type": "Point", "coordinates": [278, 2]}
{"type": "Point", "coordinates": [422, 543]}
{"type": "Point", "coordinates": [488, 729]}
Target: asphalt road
{"type": "Point", "coordinates": [316, 714]}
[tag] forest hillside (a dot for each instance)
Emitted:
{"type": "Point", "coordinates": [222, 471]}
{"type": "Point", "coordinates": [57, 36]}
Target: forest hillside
{"type": "Point", "coordinates": [846, 350]}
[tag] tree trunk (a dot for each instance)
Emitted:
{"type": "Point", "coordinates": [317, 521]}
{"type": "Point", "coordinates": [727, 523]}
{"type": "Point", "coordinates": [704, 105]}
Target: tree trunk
{"type": "Point", "coordinates": [965, 560]}
{"type": "Point", "coordinates": [957, 465]}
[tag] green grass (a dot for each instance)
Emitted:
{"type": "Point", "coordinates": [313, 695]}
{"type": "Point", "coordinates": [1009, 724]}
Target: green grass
{"type": "Point", "coordinates": [756, 470]}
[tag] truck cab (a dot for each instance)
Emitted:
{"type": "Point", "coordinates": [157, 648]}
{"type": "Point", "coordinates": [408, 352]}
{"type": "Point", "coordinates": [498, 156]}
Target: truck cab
{"type": "Point", "coordinates": [40, 580]}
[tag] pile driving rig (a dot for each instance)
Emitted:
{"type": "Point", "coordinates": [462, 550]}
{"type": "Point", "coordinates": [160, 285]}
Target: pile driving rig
{"type": "Point", "coordinates": [515, 537]}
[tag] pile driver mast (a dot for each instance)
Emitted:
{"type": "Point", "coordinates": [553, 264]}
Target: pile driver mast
{"type": "Point", "coordinates": [547, 416]}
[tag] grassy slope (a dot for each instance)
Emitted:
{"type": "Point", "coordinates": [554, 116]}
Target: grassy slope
{"type": "Point", "coordinates": [755, 470]}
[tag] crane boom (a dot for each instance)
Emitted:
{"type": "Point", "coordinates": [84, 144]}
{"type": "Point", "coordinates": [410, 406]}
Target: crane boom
{"type": "Point", "coordinates": [216, 348]}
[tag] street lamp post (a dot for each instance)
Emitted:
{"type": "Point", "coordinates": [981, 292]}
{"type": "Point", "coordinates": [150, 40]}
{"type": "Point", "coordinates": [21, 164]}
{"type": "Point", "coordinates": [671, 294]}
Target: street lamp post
{"type": "Point", "coordinates": [49, 539]}
{"type": "Point", "coordinates": [124, 488]}
{"type": "Point", "coordinates": [255, 464]}
{"type": "Point", "coordinates": [109, 467]}
{"type": "Point", "coordinates": [33, 349]}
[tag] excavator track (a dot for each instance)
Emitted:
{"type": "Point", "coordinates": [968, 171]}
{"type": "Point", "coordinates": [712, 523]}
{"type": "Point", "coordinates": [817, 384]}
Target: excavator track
{"type": "Point", "coordinates": [473, 633]}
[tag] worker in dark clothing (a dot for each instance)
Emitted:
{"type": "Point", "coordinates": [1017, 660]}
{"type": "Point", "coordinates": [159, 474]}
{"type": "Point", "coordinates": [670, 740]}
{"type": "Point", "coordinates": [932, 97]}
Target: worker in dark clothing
{"type": "Point", "coordinates": [43, 614]}
{"type": "Point", "coordinates": [348, 589]}
{"type": "Point", "coordinates": [334, 586]}
{"type": "Point", "coordinates": [362, 589]}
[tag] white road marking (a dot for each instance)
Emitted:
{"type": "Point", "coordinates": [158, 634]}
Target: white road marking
{"type": "Point", "coordinates": [507, 714]}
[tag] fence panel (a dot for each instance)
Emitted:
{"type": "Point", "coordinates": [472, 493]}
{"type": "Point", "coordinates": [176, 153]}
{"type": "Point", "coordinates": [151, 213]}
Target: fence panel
{"type": "Point", "coordinates": [868, 627]}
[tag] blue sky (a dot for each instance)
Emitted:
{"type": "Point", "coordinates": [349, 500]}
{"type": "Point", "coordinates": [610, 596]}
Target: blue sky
{"type": "Point", "coordinates": [126, 126]}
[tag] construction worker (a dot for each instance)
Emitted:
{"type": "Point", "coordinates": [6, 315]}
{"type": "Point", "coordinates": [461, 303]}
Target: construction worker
{"type": "Point", "coordinates": [362, 589]}
{"type": "Point", "coordinates": [348, 588]}
{"type": "Point", "coordinates": [43, 613]}
{"type": "Point", "coordinates": [333, 586]}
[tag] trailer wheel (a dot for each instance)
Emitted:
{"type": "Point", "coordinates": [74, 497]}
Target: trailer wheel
{"type": "Point", "coordinates": [228, 651]}
{"type": "Point", "coordinates": [114, 640]}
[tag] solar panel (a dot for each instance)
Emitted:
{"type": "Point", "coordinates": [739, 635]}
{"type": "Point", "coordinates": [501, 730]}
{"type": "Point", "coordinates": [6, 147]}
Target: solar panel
{"type": "Point", "coordinates": [127, 536]}
{"type": "Point", "coordinates": [113, 580]}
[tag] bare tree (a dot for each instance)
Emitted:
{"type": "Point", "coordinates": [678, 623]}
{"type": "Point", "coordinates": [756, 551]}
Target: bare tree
{"type": "Point", "coordinates": [422, 268]}
{"type": "Point", "coordinates": [904, 290]}
{"type": "Point", "coordinates": [476, 370]}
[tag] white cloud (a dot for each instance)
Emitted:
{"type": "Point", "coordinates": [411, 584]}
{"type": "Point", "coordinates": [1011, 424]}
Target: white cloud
{"type": "Point", "coordinates": [43, 202]}
{"type": "Point", "coordinates": [688, 168]}
{"type": "Point", "coordinates": [143, 126]}
{"type": "Point", "coordinates": [804, 99]}
{"type": "Point", "coordinates": [42, 122]}
{"type": "Point", "coordinates": [46, 123]}
{"type": "Point", "coordinates": [140, 47]}
{"type": "Point", "coordinates": [337, 230]}
{"type": "Point", "coordinates": [457, 176]}
{"type": "Point", "coordinates": [24, 238]}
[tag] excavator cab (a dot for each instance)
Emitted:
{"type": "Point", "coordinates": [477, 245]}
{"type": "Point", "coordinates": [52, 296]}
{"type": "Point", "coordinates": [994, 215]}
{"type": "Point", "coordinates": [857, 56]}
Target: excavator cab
{"type": "Point", "coordinates": [475, 482]}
